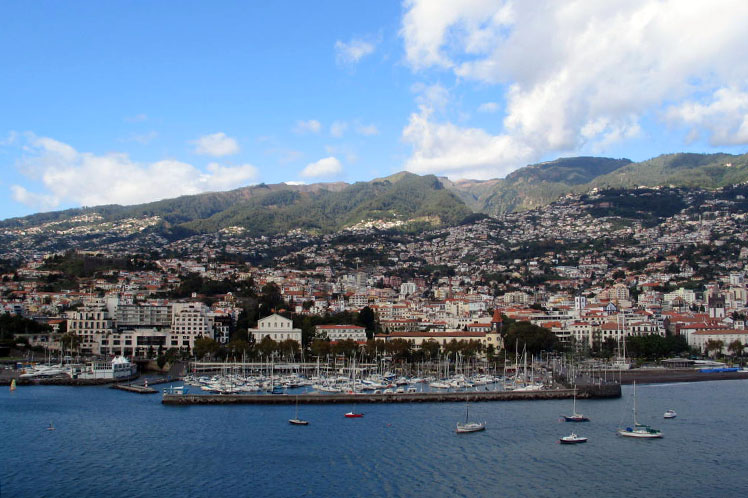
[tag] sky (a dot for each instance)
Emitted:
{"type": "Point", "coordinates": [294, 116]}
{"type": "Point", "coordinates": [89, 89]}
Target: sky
{"type": "Point", "coordinates": [125, 102]}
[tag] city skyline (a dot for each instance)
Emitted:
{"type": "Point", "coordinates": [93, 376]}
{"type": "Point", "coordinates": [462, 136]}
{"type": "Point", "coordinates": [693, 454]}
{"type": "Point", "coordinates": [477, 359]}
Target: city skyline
{"type": "Point", "coordinates": [127, 103]}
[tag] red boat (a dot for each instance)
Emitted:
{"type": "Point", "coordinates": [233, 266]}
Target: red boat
{"type": "Point", "coordinates": [354, 415]}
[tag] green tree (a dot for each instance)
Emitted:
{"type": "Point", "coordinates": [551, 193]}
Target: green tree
{"type": "Point", "coordinates": [267, 346]}
{"type": "Point", "coordinates": [525, 334]}
{"type": "Point", "coordinates": [320, 348]}
{"type": "Point", "coordinates": [735, 348]}
{"type": "Point", "coordinates": [205, 346]}
{"type": "Point", "coordinates": [714, 346]}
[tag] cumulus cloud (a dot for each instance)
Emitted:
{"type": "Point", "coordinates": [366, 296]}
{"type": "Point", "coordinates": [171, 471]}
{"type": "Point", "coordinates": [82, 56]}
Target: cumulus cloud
{"type": "Point", "coordinates": [310, 126]}
{"type": "Point", "coordinates": [328, 166]}
{"type": "Point", "coordinates": [83, 178]}
{"type": "Point", "coordinates": [216, 144]}
{"type": "Point", "coordinates": [723, 117]}
{"type": "Point", "coordinates": [353, 51]}
{"type": "Point", "coordinates": [583, 74]}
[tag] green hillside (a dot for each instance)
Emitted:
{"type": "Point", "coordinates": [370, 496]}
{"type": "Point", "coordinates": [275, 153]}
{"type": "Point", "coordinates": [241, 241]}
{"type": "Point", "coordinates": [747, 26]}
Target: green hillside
{"type": "Point", "coordinates": [681, 170]}
{"type": "Point", "coordinates": [535, 185]}
{"type": "Point", "coordinates": [404, 197]}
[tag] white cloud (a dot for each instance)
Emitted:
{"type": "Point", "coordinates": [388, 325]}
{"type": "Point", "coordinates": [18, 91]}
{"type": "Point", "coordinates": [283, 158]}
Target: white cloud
{"type": "Point", "coordinates": [724, 118]}
{"type": "Point", "coordinates": [433, 96]}
{"type": "Point", "coordinates": [353, 51]}
{"type": "Point", "coordinates": [216, 144]}
{"type": "Point", "coordinates": [488, 107]}
{"type": "Point", "coordinates": [311, 126]}
{"type": "Point", "coordinates": [338, 128]}
{"type": "Point", "coordinates": [367, 130]}
{"type": "Point", "coordinates": [69, 176]}
{"type": "Point", "coordinates": [461, 152]}
{"type": "Point", "coordinates": [572, 75]}
{"type": "Point", "coordinates": [328, 166]}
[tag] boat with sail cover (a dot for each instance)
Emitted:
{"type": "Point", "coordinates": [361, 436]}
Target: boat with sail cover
{"type": "Point", "coordinates": [575, 417]}
{"type": "Point", "coordinates": [468, 426]}
{"type": "Point", "coordinates": [640, 431]}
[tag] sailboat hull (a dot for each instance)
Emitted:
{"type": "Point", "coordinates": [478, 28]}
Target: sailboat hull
{"type": "Point", "coordinates": [296, 421]}
{"type": "Point", "coordinates": [639, 434]}
{"type": "Point", "coordinates": [575, 418]}
{"type": "Point", "coordinates": [470, 427]}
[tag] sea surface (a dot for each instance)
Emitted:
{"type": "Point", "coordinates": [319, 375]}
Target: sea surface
{"type": "Point", "coordinates": [114, 443]}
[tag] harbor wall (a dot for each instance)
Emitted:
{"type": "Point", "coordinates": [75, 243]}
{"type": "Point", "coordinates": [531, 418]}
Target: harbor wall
{"type": "Point", "coordinates": [436, 397]}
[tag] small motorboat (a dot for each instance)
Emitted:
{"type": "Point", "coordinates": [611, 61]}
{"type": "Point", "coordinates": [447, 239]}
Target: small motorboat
{"type": "Point", "coordinates": [354, 415]}
{"type": "Point", "coordinates": [670, 414]}
{"type": "Point", "coordinates": [572, 439]}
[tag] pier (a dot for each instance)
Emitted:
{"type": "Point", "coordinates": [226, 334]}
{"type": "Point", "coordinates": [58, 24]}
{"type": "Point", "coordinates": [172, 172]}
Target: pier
{"type": "Point", "coordinates": [590, 392]}
{"type": "Point", "coordinates": [135, 388]}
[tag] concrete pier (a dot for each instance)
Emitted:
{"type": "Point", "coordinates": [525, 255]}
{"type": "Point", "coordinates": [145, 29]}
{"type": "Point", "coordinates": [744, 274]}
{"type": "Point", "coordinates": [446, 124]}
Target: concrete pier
{"type": "Point", "coordinates": [134, 388]}
{"type": "Point", "coordinates": [435, 397]}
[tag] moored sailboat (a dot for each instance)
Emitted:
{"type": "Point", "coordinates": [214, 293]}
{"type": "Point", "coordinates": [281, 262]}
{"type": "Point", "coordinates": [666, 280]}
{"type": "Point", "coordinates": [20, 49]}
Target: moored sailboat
{"type": "Point", "coordinates": [575, 417]}
{"type": "Point", "coordinates": [641, 431]}
{"type": "Point", "coordinates": [296, 420]}
{"type": "Point", "coordinates": [469, 426]}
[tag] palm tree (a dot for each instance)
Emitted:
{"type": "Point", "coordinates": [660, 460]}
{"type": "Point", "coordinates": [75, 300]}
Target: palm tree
{"type": "Point", "coordinates": [735, 348]}
{"type": "Point", "coordinates": [714, 345]}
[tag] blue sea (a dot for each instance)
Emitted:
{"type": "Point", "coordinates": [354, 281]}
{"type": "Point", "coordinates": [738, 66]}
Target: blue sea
{"type": "Point", "coordinates": [113, 443]}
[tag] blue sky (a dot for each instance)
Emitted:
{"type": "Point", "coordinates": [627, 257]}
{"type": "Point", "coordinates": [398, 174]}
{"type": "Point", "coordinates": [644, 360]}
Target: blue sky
{"type": "Point", "coordinates": [126, 102]}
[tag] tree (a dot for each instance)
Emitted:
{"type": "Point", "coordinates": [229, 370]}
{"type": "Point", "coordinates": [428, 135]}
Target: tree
{"type": "Point", "coordinates": [267, 346]}
{"type": "Point", "coordinates": [430, 348]}
{"type": "Point", "coordinates": [205, 346]}
{"type": "Point", "coordinates": [70, 341]}
{"type": "Point", "coordinates": [347, 347]}
{"type": "Point", "coordinates": [735, 348]}
{"type": "Point", "coordinates": [714, 345]}
{"type": "Point", "coordinates": [535, 338]}
{"type": "Point", "coordinates": [368, 319]}
{"type": "Point", "coordinates": [320, 348]}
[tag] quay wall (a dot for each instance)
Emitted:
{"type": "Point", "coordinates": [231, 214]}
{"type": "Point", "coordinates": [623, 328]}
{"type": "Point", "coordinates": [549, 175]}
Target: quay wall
{"type": "Point", "coordinates": [63, 381]}
{"type": "Point", "coordinates": [286, 399]}
{"type": "Point", "coordinates": [667, 375]}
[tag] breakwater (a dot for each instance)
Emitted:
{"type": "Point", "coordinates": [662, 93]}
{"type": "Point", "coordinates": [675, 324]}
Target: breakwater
{"type": "Point", "coordinates": [589, 392]}
{"type": "Point", "coordinates": [666, 375]}
{"type": "Point", "coordinates": [62, 380]}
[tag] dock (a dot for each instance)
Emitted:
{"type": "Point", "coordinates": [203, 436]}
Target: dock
{"type": "Point", "coordinates": [611, 391]}
{"type": "Point", "coordinates": [134, 388]}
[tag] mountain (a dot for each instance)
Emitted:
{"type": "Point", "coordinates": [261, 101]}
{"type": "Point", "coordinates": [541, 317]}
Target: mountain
{"type": "Point", "coordinates": [533, 186]}
{"type": "Point", "coordinates": [681, 170]}
{"type": "Point", "coordinates": [409, 201]}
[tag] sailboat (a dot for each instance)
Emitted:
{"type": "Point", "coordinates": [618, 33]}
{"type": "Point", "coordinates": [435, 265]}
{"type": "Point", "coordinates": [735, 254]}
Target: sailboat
{"type": "Point", "coordinates": [296, 420]}
{"type": "Point", "coordinates": [51, 427]}
{"type": "Point", "coordinates": [575, 417]}
{"type": "Point", "coordinates": [470, 426]}
{"type": "Point", "coordinates": [639, 430]}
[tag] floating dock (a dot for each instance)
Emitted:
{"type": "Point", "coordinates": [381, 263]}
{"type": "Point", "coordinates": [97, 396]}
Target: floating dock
{"type": "Point", "coordinates": [607, 391]}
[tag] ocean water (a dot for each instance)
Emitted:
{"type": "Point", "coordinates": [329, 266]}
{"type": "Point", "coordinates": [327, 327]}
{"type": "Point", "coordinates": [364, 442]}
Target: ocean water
{"type": "Point", "coordinates": [114, 443]}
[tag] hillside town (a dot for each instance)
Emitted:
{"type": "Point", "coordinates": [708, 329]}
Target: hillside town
{"type": "Point", "coordinates": [591, 280]}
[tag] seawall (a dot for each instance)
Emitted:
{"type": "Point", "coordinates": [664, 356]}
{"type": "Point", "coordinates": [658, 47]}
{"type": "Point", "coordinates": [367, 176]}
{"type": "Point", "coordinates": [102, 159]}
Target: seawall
{"type": "Point", "coordinates": [589, 392]}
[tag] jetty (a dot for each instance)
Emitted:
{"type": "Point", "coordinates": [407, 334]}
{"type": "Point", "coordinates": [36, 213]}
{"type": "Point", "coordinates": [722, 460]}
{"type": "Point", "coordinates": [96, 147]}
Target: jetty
{"type": "Point", "coordinates": [134, 388]}
{"type": "Point", "coordinates": [589, 392]}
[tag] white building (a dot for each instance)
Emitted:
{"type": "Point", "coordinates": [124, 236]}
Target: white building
{"type": "Point", "coordinates": [341, 332]}
{"type": "Point", "coordinates": [277, 327]}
